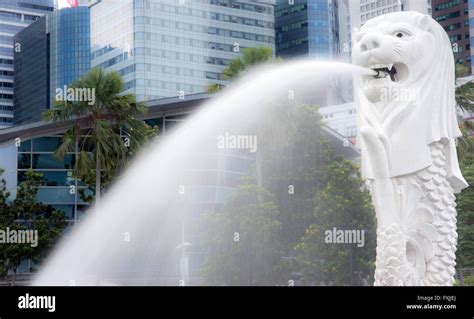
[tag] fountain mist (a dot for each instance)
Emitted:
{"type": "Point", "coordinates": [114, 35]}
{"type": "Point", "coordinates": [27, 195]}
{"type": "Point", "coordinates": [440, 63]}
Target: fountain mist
{"type": "Point", "coordinates": [143, 230]}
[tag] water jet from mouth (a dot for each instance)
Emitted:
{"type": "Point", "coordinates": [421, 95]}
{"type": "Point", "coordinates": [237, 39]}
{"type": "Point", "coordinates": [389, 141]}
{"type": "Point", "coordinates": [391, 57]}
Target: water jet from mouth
{"type": "Point", "coordinates": [146, 204]}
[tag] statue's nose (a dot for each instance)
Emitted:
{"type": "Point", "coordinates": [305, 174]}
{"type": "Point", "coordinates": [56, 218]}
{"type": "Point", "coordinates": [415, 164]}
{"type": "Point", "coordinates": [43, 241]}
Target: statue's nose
{"type": "Point", "coordinates": [370, 42]}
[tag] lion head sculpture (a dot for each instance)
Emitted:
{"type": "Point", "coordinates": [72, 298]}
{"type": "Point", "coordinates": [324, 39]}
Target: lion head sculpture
{"type": "Point", "coordinates": [410, 103]}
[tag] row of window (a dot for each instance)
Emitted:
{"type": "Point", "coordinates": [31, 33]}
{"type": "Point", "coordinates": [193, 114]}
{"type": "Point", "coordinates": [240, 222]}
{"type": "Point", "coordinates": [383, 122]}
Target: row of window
{"type": "Point", "coordinates": [101, 51]}
{"type": "Point", "coordinates": [6, 61]}
{"type": "Point", "coordinates": [331, 115]}
{"type": "Point", "coordinates": [448, 16]}
{"type": "Point", "coordinates": [455, 26]}
{"type": "Point", "coordinates": [18, 16]}
{"type": "Point", "coordinates": [186, 57]}
{"type": "Point", "coordinates": [119, 58]}
{"type": "Point", "coordinates": [377, 4]}
{"type": "Point", "coordinates": [5, 72]}
{"type": "Point", "coordinates": [6, 85]}
{"type": "Point", "coordinates": [292, 43]}
{"type": "Point", "coordinates": [241, 35]}
{"type": "Point", "coordinates": [379, 12]}
{"type": "Point", "coordinates": [446, 5]}
{"type": "Point", "coordinates": [177, 87]}
{"type": "Point", "coordinates": [6, 120]}
{"type": "Point", "coordinates": [189, 12]}
{"type": "Point", "coordinates": [34, 6]}
{"type": "Point", "coordinates": [293, 26]}
{"type": "Point", "coordinates": [165, 69]}
{"type": "Point", "coordinates": [45, 161]}
{"type": "Point", "coordinates": [6, 107]}
{"type": "Point", "coordinates": [170, 54]}
{"type": "Point", "coordinates": [4, 96]}
{"type": "Point", "coordinates": [240, 20]}
{"type": "Point", "coordinates": [244, 6]}
{"type": "Point", "coordinates": [290, 10]}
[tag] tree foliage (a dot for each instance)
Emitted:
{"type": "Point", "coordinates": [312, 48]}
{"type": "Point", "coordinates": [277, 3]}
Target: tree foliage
{"type": "Point", "coordinates": [106, 132]}
{"type": "Point", "coordinates": [243, 240]}
{"type": "Point", "coordinates": [250, 58]}
{"type": "Point", "coordinates": [342, 204]}
{"type": "Point", "coordinates": [465, 210]}
{"type": "Point", "coordinates": [24, 213]}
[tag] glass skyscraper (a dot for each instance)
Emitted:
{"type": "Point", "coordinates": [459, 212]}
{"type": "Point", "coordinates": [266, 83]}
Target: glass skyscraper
{"type": "Point", "coordinates": [317, 29]}
{"type": "Point", "coordinates": [55, 52]}
{"type": "Point", "coordinates": [69, 46]}
{"type": "Point", "coordinates": [307, 28]}
{"type": "Point", "coordinates": [175, 48]}
{"type": "Point", "coordinates": [14, 16]}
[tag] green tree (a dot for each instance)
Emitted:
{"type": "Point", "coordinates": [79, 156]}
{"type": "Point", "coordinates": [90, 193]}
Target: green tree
{"type": "Point", "coordinates": [465, 210]}
{"type": "Point", "coordinates": [465, 100]}
{"type": "Point", "coordinates": [344, 204]}
{"type": "Point", "coordinates": [465, 200]}
{"type": "Point", "coordinates": [24, 213]}
{"type": "Point", "coordinates": [250, 58]}
{"type": "Point", "coordinates": [243, 240]}
{"type": "Point", "coordinates": [4, 195]}
{"type": "Point", "coordinates": [105, 132]}
{"type": "Point", "coordinates": [294, 151]}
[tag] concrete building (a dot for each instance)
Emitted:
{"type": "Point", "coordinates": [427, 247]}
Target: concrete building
{"type": "Point", "coordinates": [15, 15]}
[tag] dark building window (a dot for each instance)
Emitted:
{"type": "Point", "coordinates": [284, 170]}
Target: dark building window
{"type": "Point", "coordinates": [448, 4]}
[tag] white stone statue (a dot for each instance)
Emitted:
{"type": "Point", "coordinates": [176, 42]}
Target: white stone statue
{"type": "Point", "coordinates": [408, 127]}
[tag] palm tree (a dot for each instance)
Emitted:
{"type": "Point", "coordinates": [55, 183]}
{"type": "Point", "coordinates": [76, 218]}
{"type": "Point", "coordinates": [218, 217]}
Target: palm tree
{"type": "Point", "coordinates": [104, 131]}
{"type": "Point", "coordinates": [465, 100]}
{"type": "Point", "coordinates": [250, 57]}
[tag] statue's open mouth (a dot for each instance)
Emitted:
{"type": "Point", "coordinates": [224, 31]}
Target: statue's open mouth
{"type": "Point", "coordinates": [391, 72]}
{"type": "Point", "coordinates": [385, 70]}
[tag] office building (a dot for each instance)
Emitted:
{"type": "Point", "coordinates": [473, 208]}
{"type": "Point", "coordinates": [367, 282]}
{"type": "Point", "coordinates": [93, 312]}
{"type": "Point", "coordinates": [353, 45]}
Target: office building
{"type": "Point", "coordinates": [454, 17]}
{"type": "Point", "coordinates": [15, 15]}
{"type": "Point", "coordinates": [55, 52]}
{"type": "Point", "coordinates": [363, 10]}
{"type": "Point", "coordinates": [172, 48]}
{"type": "Point", "coordinates": [317, 29]}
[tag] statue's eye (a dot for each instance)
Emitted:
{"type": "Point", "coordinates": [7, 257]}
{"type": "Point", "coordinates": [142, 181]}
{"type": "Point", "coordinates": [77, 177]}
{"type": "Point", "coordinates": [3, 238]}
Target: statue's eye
{"type": "Point", "coordinates": [399, 35]}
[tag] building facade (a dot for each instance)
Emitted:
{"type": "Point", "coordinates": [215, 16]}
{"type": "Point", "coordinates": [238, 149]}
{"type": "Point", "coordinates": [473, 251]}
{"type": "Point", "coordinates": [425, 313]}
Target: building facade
{"type": "Point", "coordinates": [363, 10]}
{"type": "Point", "coordinates": [318, 29]}
{"type": "Point", "coordinates": [471, 30]}
{"type": "Point", "coordinates": [15, 15]}
{"type": "Point", "coordinates": [453, 15]}
{"type": "Point", "coordinates": [342, 118]}
{"type": "Point", "coordinates": [55, 52]}
{"type": "Point", "coordinates": [175, 48]}
{"type": "Point", "coordinates": [308, 28]}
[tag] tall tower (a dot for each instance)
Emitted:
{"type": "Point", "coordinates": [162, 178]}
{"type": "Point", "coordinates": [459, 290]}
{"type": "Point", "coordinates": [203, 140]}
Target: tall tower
{"type": "Point", "coordinates": [318, 29]}
{"type": "Point", "coordinates": [16, 15]}
{"type": "Point", "coordinates": [172, 48]}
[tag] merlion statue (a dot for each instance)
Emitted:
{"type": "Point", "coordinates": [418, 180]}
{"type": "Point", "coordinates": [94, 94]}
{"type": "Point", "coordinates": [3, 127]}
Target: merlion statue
{"type": "Point", "coordinates": [407, 131]}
